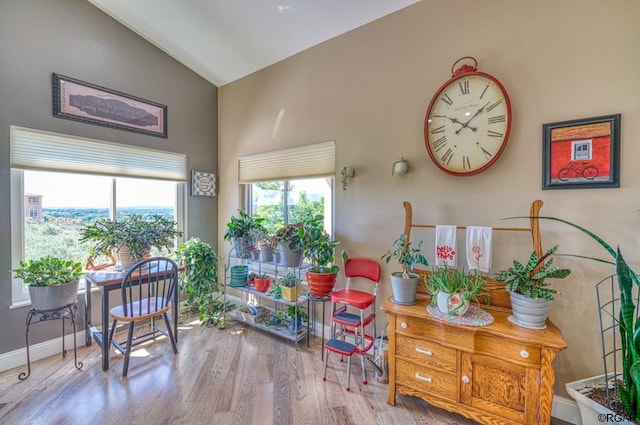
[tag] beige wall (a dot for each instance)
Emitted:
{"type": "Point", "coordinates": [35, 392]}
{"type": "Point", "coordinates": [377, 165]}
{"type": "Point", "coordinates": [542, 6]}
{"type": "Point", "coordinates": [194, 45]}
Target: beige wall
{"type": "Point", "coordinates": [368, 90]}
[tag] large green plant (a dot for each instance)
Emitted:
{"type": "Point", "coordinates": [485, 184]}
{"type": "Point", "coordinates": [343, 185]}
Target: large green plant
{"type": "Point", "coordinates": [529, 279]}
{"type": "Point", "coordinates": [406, 256]}
{"type": "Point", "coordinates": [244, 227]}
{"type": "Point", "coordinates": [628, 326]}
{"type": "Point", "coordinates": [199, 281]}
{"type": "Point", "coordinates": [291, 236]}
{"type": "Point", "coordinates": [132, 231]}
{"type": "Point", "coordinates": [48, 271]}
{"type": "Point", "coordinates": [319, 248]}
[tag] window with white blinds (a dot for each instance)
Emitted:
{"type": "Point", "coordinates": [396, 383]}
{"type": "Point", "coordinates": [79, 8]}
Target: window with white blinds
{"type": "Point", "coordinates": [303, 161]}
{"type": "Point", "coordinates": [40, 150]}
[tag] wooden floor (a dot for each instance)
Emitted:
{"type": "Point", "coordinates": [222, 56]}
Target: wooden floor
{"type": "Point", "coordinates": [236, 376]}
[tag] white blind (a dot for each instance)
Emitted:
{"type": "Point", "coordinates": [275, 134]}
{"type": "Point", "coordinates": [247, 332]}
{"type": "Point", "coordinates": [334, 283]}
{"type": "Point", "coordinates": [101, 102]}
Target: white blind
{"type": "Point", "coordinates": [303, 161]}
{"type": "Point", "coordinates": [41, 150]}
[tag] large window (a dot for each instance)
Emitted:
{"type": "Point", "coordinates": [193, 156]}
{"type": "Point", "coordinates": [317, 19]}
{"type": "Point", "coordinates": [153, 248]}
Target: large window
{"type": "Point", "coordinates": [50, 204]}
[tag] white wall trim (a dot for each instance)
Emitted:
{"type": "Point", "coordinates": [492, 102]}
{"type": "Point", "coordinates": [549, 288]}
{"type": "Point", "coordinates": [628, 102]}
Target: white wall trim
{"type": "Point", "coordinates": [40, 351]}
{"type": "Point", "coordinates": [566, 409]}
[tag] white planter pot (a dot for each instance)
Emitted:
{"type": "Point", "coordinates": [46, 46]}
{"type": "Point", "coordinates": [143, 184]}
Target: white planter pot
{"type": "Point", "coordinates": [593, 413]}
{"type": "Point", "coordinates": [452, 304]}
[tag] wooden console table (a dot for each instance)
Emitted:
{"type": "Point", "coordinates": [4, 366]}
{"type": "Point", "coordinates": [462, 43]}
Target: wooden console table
{"type": "Point", "coordinates": [499, 374]}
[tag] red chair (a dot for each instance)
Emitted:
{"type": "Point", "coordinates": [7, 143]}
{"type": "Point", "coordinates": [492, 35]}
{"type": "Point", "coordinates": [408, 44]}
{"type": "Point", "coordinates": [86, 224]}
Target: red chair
{"type": "Point", "coordinates": [353, 315]}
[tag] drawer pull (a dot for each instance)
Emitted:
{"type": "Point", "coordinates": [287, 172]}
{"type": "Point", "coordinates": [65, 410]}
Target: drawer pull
{"type": "Point", "coordinates": [423, 378]}
{"type": "Point", "coordinates": [404, 325]}
{"type": "Point", "coordinates": [465, 379]}
{"type": "Point", "coordinates": [425, 352]}
{"type": "Point", "coordinates": [524, 354]}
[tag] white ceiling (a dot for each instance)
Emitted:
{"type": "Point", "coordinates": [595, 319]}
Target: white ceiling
{"type": "Point", "coordinates": [224, 40]}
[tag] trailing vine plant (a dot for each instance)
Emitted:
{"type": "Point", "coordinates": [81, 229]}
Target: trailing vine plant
{"type": "Point", "coordinates": [199, 282]}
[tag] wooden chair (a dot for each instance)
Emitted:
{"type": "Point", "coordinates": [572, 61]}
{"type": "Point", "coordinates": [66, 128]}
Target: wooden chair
{"type": "Point", "coordinates": [148, 291]}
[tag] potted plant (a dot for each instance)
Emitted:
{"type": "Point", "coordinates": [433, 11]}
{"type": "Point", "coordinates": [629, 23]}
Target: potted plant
{"type": "Point", "coordinates": [289, 285]}
{"type": "Point", "coordinates": [401, 166]}
{"type": "Point", "coordinates": [275, 290]}
{"type": "Point", "coordinates": [621, 387]}
{"type": "Point", "coordinates": [452, 290]}
{"type": "Point", "coordinates": [289, 239]}
{"type": "Point", "coordinates": [267, 243]}
{"type": "Point", "coordinates": [199, 281]}
{"type": "Point", "coordinates": [243, 232]}
{"type": "Point", "coordinates": [262, 282]}
{"type": "Point", "coordinates": [530, 294]}
{"type": "Point", "coordinates": [319, 249]}
{"type": "Point", "coordinates": [130, 237]}
{"type": "Point", "coordinates": [52, 281]}
{"type": "Point", "coordinates": [345, 174]}
{"type": "Point", "coordinates": [295, 316]}
{"type": "Point", "coordinates": [404, 284]}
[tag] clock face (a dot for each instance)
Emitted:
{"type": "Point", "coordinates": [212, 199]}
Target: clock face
{"type": "Point", "coordinates": [467, 124]}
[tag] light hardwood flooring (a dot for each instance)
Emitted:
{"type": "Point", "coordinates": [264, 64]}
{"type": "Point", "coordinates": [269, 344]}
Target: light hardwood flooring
{"type": "Point", "coordinates": [236, 376]}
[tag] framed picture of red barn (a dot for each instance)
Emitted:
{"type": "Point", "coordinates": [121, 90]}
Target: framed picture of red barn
{"type": "Point", "coordinates": [581, 154]}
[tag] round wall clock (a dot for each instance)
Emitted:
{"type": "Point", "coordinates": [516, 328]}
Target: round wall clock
{"type": "Point", "coordinates": [467, 124]}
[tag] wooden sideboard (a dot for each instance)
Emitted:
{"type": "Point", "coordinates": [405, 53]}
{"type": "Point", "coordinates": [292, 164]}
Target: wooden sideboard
{"type": "Point", "coordinates": [495, 374]}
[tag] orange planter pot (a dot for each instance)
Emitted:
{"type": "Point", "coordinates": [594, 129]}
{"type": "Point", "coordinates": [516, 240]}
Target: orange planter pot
{"type": "Point", "coordinates": [262, 285]}
{"type": "Point", "coordinates": [321, 284]}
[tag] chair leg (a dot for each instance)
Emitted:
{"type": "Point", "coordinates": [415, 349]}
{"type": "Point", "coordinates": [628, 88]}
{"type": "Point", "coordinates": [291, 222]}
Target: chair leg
{"type": "Point", "coordinates": [111, 333]}
{"type": "Point", "coordinates": [349, 373]}
{"type": "Point", "coordinates": [326, 360]}
{"type": "Point", "coordinates": [127, 354]}
{"type": "Point", "coordinates": [170, 332]}
{"type": "Point", "coordinates": [363, 343]}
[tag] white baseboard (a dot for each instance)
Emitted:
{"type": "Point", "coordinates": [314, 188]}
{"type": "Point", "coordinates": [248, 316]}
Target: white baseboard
{"type": "Point", "coordinates": [566, 409]}
{"type": "Point", "coordinates": [39, 351]}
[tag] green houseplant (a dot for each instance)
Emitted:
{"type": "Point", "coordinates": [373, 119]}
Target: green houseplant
{"type": "Point", "coordinates": [199, 281]}
{"type": "Point", "coordinates": [289, 286]}
{"type": "Point", "coordinates": [52, 281]}
{"type": "Point", "coordinates": [131, 237]}
{"type": "Point", "coordinates": [243, 231]}
{"type": "Point", "coordinates": [319, 249]}
{"type": "Point", "coordinates": [452, 290]}
{"type": "Point", "coordinates": [530, 293]}
{"type": "Point", "coordinates": [289, 239]}
{"type": "Point", "coordinates": [404, 284]}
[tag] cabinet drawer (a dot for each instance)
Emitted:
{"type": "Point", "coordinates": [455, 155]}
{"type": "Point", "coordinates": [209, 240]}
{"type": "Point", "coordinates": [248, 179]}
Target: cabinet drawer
{"type": "Point", "coordinates": [419, 328]}
{"type": "Point", "coordinates": [429, 380]}
{"type": "Point", "coordinates": [426, 352]}
{"type": "Point", "coordinates": [508, 350]}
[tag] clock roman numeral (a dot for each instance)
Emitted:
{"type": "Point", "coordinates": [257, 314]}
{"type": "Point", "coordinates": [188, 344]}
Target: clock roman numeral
{"type": "Point", "coordinates": [464, 86]}
{"type": "Point", "coordinates": [495, 134]}
{"type": "Point", "coordinates": [484, 91]}
{"type": "Point", "coordinates": [440, 143]}
{"type": "Point", "coordinates": [466, 164]}
{"type": "Point", "coordinates": [494, 120]}
{"type": "Point", "coordinates": [437, 130]}
{"type": "Point", "coordinates": [486, 153]}
{"type": "Point", "coordinates": [490, 108]}
{"type": "Point", "coordinates": [446, 99]}
{"type": "Point", "coordinates": [448, 155]}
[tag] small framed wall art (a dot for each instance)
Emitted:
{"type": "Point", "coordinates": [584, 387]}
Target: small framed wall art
{"type": "Point", "coordinates": [582, 153]}
{"type": "Point", "coordinates": [203, 184]}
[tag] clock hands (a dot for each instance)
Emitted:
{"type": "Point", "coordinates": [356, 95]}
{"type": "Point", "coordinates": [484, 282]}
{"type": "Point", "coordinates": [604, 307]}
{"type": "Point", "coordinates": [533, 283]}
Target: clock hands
{"type": "Point", "coordinates": [455, 121]}
{"type": "Point", "coordinates": [466, 124]}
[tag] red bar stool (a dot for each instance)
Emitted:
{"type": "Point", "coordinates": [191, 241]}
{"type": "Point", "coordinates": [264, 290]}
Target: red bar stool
{"type": "Point", "coordinates": [353, 314]}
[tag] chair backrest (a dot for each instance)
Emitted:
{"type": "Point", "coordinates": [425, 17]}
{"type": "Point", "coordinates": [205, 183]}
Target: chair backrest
{"type": "Point", "coordinates": [362, 267]}
{"type": "Point", "coordinates": [152, 280]}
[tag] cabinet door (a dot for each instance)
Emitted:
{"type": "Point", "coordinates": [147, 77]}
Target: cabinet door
{"type": "Point", "coordinates": [499, 387]}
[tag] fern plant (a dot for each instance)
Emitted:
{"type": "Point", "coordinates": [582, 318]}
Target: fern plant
{"type": "Point", "coordinates": [529, 279]}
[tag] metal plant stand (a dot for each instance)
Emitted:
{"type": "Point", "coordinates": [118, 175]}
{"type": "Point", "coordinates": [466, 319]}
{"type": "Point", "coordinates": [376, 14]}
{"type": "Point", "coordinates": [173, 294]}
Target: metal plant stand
{"type": "Point", "coordinates": [67, 312]}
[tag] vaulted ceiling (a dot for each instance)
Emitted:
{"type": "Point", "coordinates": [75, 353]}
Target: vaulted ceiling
{"type": "Point", "coordinates": [224, 40]}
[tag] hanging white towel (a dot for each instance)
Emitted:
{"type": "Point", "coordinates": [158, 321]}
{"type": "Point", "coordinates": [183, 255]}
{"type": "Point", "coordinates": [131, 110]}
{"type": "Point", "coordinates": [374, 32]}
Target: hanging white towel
{"type": "Point", "coordinates": [446, 250]}
{"type": "Point", "coordinates": [479, 248]}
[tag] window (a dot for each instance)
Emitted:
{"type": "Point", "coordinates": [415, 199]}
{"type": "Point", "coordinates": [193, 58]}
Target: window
{"type": "Point", "coordinates": [304, 198]}
{"type": "Point", "coordinates": [50, 204]}
{"type": "Point", "coordinates": [581, 150]}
